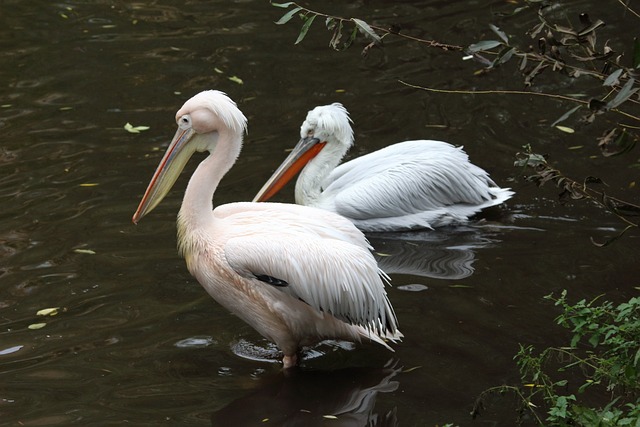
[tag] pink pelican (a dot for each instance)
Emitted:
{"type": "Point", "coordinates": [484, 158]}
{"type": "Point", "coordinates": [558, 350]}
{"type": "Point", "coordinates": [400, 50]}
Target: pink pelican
{"type": "Point", "coordinates": [405, 186]}
{"type": "Point", "coordinates": [297, 275]}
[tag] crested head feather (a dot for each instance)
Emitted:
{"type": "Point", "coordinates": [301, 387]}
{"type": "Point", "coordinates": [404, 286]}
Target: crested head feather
{"type": "Point", "coordinates": [221, 105]}
{"type": "Point", "coordinates": [330, 119]}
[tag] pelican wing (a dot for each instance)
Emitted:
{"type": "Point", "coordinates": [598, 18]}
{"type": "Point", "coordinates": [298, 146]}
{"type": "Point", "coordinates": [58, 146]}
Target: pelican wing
{"type": "Point", "coordinates": [330, 274]}
{"type": "Point", "coordinates": [407, 178]}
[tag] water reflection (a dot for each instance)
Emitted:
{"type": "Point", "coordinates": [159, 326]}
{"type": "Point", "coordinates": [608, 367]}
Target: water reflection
{"type": "Point", "coordinates": [447, 253]}
{"type": "Point", "coordinates": [344, 398]}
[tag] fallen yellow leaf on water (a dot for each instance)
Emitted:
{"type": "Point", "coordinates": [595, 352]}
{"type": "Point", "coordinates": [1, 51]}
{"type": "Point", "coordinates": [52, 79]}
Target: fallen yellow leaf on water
{"type": "Point", "coordinates": [37, 325]}
{"type": "Point", "coordinates": [84, 251]}
{"type": "Point", "coordinates": [382, 254]}
{"type": "Point", "coordinates": [565, 129]}
{"type": "Point", "coordinates": [134, 129]}
{"type": "Point", "coordinates": [89, 184]}
{"type": "Point", "coordinates": [48, 311]}
{"type": "Point", "coordinates": [236, 79]}
{"type": "Point", "coordinates": [330, 417]}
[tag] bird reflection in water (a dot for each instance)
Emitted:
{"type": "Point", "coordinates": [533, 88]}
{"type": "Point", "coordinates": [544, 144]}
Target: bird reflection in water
{"type": "Point", "coordinates": [446, 253]}
{"type": "Point", "coordinates": [297, 397]}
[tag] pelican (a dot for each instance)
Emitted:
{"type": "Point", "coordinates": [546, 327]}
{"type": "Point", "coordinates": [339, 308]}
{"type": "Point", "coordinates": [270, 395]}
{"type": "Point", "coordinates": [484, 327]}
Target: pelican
{"type": "Point", "coordinates": [405, 186]}
{"type": "Point", "coordinates": [297, 275]}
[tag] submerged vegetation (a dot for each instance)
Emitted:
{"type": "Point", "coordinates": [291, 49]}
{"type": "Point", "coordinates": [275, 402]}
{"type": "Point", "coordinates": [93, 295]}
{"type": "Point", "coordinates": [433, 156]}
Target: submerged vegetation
{"type": "Point", "coordinates": [560, 385]}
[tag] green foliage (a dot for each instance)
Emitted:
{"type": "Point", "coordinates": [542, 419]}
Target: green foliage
{"type": "Point", "coordinates": [604, 351]}
{"type": "Point", "coordinates": [573, 51]}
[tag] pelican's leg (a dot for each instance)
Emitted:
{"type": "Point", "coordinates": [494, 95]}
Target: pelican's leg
{"type": "Point", "coordinates": [289, 361]}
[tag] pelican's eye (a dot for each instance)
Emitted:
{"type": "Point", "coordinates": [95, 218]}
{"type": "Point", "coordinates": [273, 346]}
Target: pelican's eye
{"type": "Point", "coordinates": [184, 122]}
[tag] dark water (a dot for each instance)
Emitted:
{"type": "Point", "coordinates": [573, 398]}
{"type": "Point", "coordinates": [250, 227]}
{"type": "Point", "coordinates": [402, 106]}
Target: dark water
{"type": "Point", "coordinates": [137, 340]}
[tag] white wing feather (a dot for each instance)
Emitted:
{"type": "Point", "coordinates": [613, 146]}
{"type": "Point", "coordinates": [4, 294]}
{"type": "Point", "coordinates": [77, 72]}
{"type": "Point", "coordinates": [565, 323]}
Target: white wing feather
{"type": "Point", "coordinates": [342, 278]}
{"type": "Point", "coordinates": [413, 178]}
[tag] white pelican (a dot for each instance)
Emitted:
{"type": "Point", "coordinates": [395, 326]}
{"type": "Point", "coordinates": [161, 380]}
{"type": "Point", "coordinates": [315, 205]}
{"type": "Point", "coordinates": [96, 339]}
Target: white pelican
{"type": "Point", "coordinates": [297, 275]}
{"type": "Point", "coordinates": [405, 186]}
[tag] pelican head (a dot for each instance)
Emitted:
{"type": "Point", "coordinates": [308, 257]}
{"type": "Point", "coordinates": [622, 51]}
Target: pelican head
{"type": "Point", "coordinates": [200, 122]}
{"type": "Point", "coordinates": [326, 129]}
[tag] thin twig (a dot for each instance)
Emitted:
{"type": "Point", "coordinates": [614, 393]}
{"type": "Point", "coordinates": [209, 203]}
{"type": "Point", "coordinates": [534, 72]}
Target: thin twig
{"type": "Point", "coordinates": [514, 92]}
{"type": "Point", "coordinates": [626, 6]}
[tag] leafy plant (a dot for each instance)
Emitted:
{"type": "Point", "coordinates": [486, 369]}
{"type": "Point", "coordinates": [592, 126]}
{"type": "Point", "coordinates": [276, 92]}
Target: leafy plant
{"type": "Point", "coordinates": [604, 351]}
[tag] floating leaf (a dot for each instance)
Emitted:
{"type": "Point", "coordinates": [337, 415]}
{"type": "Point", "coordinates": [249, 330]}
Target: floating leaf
{"type": "Point", "coordinates": [367, 30]}
{"type": "Point", "coordinates": [52, 311]}
{"type": "Point", "coordinates": [625, 93]}
{"type": "Point", "coordinates": [236, 79]}
{"type": "Point", "coordinates": [330, 417]}
{"type": "Point", "coordinates": [499, 33]}
{"type": "Point", "coordinates": [412, 288]}
{"type": "Point", "coordinates": [503, 56]}
{"type": "Point", "coordinates": [287, 16]}
{"type": "Point", "coordinates": [382, 254]}
{"type": "Point", "coordinates": [84, 251]}
{"type": "Point", "coordinates": [282, 5]}
{"type": "Point", "coordinates": [565, 129]}
{"type": "Point", "coordinates": [37, 325]}
{"type": "Point", "coordinates": [89, 184]}
{"type": "Point", "coordinates": [566, 115]}
{"type": "Point", "coordinates": [11, 350]}
{"type": "Point", "coordinates": [135, 129]}
{"type": "Point", "coordinates": [483, 45]}
{"type": "Point", "coordinates": [305, 28]}
{"type": "Point", "coordinates": [613, 78]}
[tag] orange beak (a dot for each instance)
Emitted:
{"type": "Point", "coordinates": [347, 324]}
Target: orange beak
{"type": "Point", "coordinates": [306, 149]}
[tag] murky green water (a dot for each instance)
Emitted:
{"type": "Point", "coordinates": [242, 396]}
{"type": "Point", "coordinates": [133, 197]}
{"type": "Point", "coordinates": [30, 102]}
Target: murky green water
{"type": "Point", "coordinates": [137, 339]}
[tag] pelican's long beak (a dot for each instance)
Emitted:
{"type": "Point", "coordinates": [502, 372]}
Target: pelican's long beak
{"type": "Point", "coordinates": [167, 173]}
{"type": "Point", "coordinates": [306, 149]}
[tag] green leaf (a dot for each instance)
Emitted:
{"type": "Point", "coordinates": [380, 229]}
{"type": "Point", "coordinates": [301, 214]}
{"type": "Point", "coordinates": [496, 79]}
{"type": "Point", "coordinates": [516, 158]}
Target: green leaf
{"type": "Point", "coordinates": [287, 16]}
{"type": "Point", "coordinates": [367, 30]}
{"type": "Point", "coordinates": [499, 33]}
{"type": "Point", "coordinates": [305, 28]}
{"type": "Point", "coordinates": [483, 45]}
{"type": "Point", "coordinates": [351, 39]}
{"type": "Point", "coordinates": [504, 55]}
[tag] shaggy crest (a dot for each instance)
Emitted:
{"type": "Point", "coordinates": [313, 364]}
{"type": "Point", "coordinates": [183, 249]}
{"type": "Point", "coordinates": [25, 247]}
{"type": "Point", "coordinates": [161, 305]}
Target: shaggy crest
{"type": "Point", "coordinates": [326, 120]}
{"type": "Point", "coordinates": [223, 106]}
